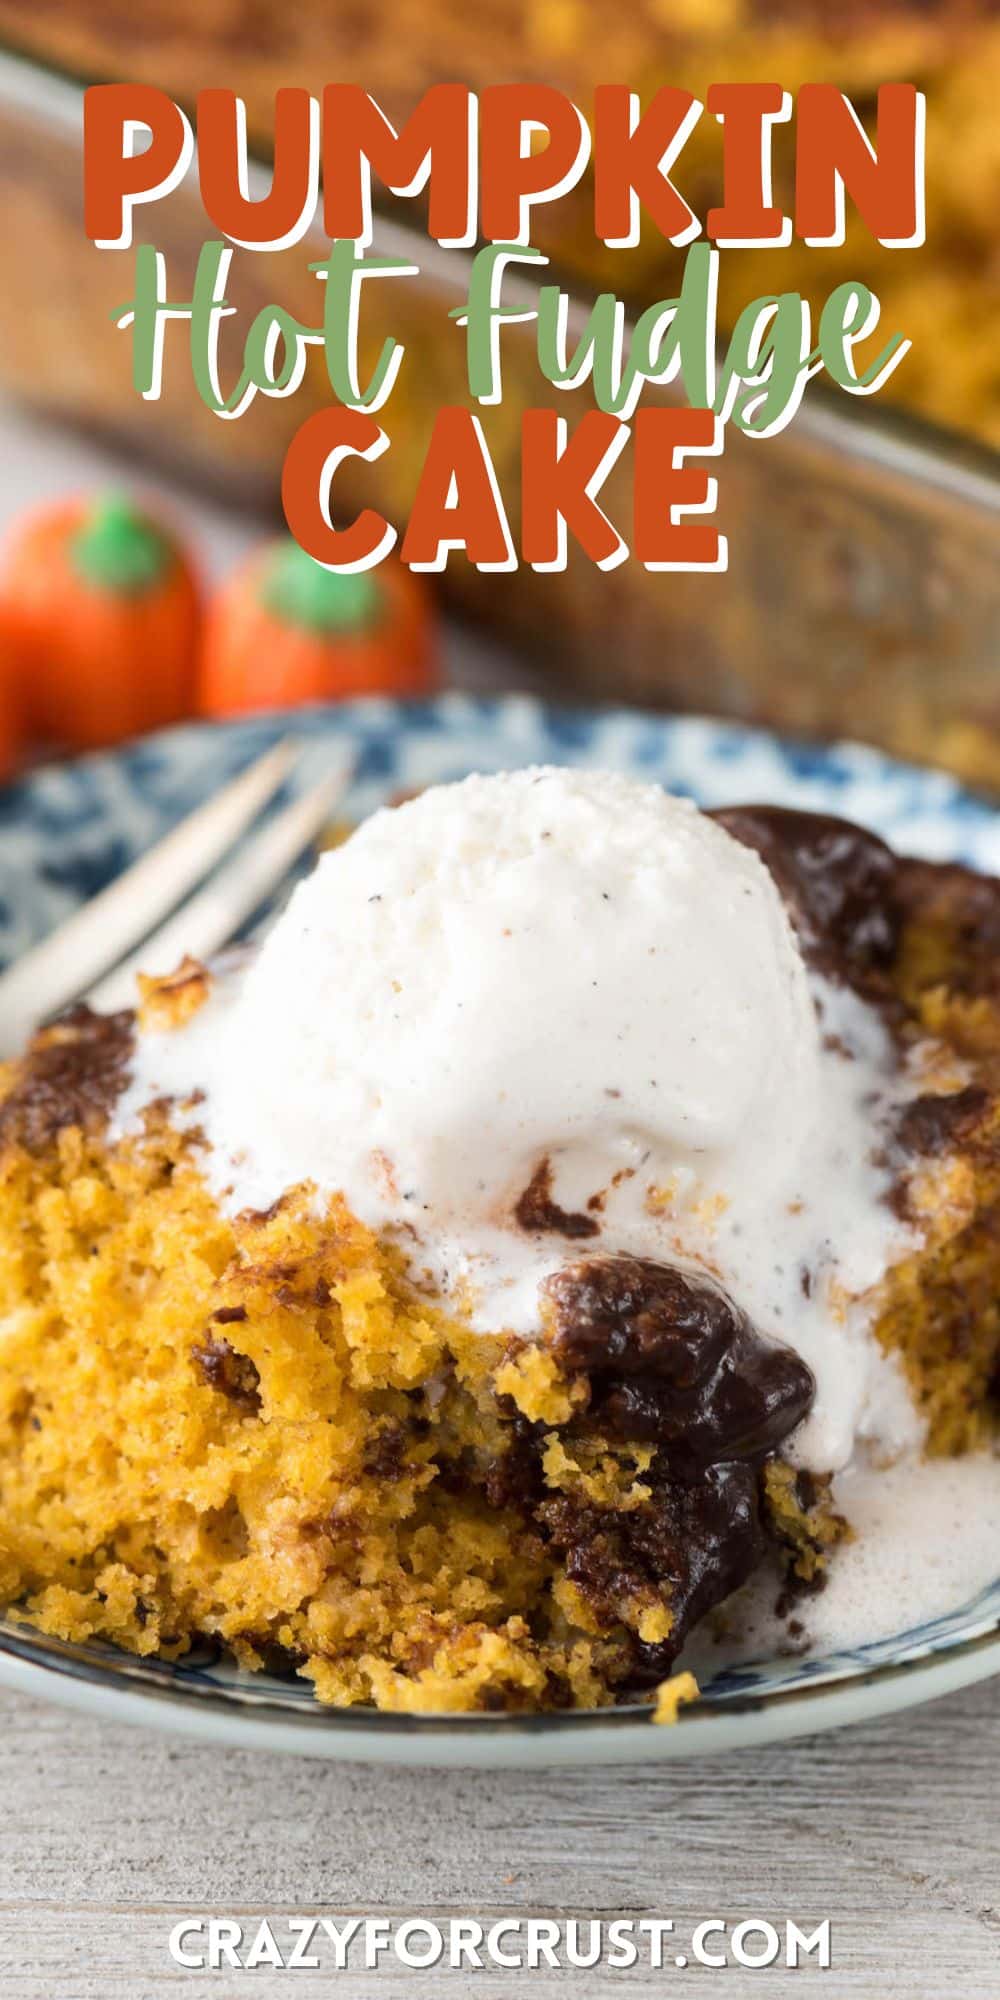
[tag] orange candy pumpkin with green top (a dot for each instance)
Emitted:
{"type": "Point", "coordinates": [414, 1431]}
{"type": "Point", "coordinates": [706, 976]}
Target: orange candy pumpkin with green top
{"type": "Point", "coordinates": [15, 677]}
{"type": "Point", "coordinates": [113, 617]}
{"type": "Point", "coordinates": [284, 630]}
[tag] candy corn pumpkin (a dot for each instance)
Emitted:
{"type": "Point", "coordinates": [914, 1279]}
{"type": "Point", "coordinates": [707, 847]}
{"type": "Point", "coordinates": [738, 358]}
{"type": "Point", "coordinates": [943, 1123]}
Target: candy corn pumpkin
{"type": "Point", "coordinates": [15, 669]}
{"type": "Point", "coordinates": [112, 610]}
{"type": "Point", "coordinates": [284, 630]}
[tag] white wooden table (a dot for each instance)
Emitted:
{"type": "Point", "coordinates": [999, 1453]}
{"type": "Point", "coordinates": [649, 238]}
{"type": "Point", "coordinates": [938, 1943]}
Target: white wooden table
{"type": "Point", "coordinates": [108, 1836]}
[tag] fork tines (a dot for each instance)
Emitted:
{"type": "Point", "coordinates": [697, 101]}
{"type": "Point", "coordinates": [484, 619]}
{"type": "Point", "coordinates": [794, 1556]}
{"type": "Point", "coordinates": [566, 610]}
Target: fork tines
{"type": "Point", "coordinates": [75, 960]}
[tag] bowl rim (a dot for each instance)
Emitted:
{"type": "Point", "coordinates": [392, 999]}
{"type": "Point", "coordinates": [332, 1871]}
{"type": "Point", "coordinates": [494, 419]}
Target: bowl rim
{"type": "Point", "coordinates": [111, 1681]}
{"type": "Point", "coordinates": [157, 1681]}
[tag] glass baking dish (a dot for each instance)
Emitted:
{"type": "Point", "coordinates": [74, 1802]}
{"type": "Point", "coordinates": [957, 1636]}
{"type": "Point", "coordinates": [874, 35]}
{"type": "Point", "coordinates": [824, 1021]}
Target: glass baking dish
{"type": "Point", "coordinates": [861, 596]}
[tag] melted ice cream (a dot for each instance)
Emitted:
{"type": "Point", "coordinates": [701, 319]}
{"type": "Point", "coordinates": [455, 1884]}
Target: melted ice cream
{"type": "Point", "coordinates": [571, 987]}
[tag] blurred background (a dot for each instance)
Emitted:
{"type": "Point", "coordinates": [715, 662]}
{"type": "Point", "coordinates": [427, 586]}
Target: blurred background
{"type": "Point", "coordinates": [862, 595]}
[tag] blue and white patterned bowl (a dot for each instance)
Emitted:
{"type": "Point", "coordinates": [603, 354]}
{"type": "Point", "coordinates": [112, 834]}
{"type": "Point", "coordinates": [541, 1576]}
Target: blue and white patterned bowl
{"type": "Point", "coordinates": [66, 831]}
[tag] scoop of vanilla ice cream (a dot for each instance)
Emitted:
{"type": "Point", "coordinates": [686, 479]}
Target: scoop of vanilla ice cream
{"type": "Point", "coordinates": [573, 974]}
{"type": "Point", "coordinates": [549, 964]}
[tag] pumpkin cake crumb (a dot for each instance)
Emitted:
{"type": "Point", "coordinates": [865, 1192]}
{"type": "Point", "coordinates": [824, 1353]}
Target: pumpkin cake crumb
{"type": "Point", "coordinates": [671, 1696]}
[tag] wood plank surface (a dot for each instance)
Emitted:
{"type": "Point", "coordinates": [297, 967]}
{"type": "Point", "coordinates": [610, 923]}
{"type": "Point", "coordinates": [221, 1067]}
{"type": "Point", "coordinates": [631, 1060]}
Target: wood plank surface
{"type": "Point", "coordinates": [110, 1835]}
